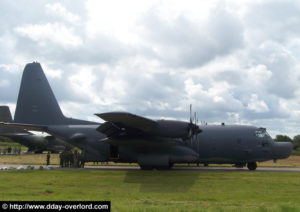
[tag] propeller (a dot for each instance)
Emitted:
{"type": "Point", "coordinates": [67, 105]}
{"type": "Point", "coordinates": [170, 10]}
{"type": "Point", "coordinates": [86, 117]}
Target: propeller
{"type": "Point", "coordinates": [193, 127]}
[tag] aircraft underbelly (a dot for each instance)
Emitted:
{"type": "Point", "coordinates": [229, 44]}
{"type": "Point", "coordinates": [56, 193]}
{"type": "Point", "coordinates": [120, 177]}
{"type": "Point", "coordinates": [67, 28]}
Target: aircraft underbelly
{"type": "Point", "coordinates": [153, 159]}
{"type": "Point", "coordinates": [158, 156]}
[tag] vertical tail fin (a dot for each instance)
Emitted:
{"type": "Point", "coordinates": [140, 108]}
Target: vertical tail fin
{"type": "Point", "coordinates": [5, 115]}
{"type": "Point", "coordinates": [36, 102]}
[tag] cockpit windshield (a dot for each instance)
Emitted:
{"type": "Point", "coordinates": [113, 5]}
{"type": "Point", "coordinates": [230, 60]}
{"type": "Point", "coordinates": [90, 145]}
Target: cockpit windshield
{"type": "Point", "coordinates": [262, 133]}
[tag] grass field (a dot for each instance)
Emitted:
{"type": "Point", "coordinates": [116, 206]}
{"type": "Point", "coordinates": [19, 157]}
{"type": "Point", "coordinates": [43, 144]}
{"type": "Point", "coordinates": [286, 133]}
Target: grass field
{"type": "Point", "coordinates": [296, 152]}
{"type": "Point", "coordinates": [137, 190]}
{"type": "Point", "coordinates": [158, 190]}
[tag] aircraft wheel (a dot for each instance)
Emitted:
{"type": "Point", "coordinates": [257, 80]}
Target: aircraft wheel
{"type": "Point", "coordinates": [252, 166]}
{"type": "Point", "coordinates": [146, 167]}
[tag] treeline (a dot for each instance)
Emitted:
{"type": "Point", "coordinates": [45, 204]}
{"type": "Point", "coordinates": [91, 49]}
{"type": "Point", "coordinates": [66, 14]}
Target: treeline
{"type": "Point", "coordinates": [295, 140]}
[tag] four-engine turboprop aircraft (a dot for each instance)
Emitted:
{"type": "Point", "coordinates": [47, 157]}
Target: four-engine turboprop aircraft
{"type": "Point", "coordinates": [35, 143]}
{"type": "Point", "coordinates": [126, 137]}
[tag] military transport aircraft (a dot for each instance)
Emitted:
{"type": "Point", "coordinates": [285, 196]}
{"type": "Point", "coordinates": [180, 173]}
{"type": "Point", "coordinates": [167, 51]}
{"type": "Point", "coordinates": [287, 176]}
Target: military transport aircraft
{"type": "Point", "coordinates": [35, 143]}
{"type": "Point", "coordinates": [125, 137]}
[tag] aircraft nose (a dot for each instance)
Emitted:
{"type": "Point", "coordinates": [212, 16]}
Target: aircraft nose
{"type": "Point", "coordinates": [282, 150]}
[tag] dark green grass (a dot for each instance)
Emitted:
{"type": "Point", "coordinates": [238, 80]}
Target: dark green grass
{"type": "Point", "coordinates": [158, 190]}
{"type": "Point", "coordinates": [296, 152]}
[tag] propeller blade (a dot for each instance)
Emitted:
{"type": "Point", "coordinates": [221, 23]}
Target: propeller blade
{"type": "Point", "coordinates": [190, 132]}
{"type": "Point", "coordinates": [191, 121]}
{"type": "Point", "coordinates": [193, 129]}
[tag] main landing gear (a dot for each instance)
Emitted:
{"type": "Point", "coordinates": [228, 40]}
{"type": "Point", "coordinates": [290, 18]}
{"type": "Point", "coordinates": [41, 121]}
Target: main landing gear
{"type": "Point", "coordinates": [252, 166]}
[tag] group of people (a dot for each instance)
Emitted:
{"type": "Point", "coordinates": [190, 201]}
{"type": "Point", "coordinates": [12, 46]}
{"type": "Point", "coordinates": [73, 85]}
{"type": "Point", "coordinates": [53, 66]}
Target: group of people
{"type": "Point", "coordinates": [9, 150]}
{"type": "Point", "coordinates": [70, 159]}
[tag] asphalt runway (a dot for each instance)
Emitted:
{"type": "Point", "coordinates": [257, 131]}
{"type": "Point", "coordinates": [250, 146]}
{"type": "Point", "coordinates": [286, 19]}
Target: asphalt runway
{"type": "Point", "coordinates": [176, 168]}
{"type": "Point", "coordinates": [203, 169]}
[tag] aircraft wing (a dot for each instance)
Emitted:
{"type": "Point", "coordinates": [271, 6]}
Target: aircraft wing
{"type": "Point", "coordinates": [116, 121]}
{"type": "Point", "coordinates": [20, 126]}
{"type": "Point", "coordinates": [123, 128]}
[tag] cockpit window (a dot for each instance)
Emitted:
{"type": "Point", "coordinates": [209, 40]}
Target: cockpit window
{"type": "Point", "coordinates": [262, 133]}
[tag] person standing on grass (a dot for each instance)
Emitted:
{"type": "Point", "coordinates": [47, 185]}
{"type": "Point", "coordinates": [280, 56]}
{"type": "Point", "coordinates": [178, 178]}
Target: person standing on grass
{"type": "Point", "coordinates": [71, 159]}
{"type": "Point", "coordinates": [61, 159]}
{"type": "Point", "coordinates": [67, 159]}
{"type": "Point", "coordinates": [75, 159]}
{"type": "Point", "coordinates": [48, 158]}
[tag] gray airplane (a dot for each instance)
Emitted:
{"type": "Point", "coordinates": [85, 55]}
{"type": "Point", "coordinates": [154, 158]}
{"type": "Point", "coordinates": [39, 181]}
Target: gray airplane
{"type": "Point", "coordinates": [125, 137]}
{"type": "Point", "coordinates": [35, 143]}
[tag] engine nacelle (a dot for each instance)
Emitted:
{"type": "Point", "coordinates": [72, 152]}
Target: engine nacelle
{"type": "Point", "coordinates": [174, 129]}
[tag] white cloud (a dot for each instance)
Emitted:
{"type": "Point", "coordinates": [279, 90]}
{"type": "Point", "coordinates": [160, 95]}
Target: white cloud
{"type": "Point", "coordinates": [59, 10]}
{"type": "Point", "coordinates": [115, 18]}
{"type": "Point", "coordinates": [81, 83]}
{"type": "Point", "coordinates": [257, 105]}
{"type": "Point", "coordinates": [12, 68]}
{"type": "Point", "coordinates": [186, 43]}
{"type": "Point", "coordinates": [52, 73]}
{"type": "Point", "coordinates": [56, 33]}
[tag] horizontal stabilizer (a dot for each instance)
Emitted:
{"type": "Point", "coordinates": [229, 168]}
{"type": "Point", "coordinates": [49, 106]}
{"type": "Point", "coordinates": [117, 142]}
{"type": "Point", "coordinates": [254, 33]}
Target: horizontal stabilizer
{"type": "Point", "coordinates": [128, 120]}
{"type": "Point", "coordinates": [18, 126]}
{"type": "Point", "coordinates": [12, 134]}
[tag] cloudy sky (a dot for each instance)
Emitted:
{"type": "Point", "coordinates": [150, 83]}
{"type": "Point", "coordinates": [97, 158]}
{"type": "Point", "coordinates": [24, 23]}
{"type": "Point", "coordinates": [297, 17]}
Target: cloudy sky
{"type": "Point", "coordinates": [236, 61]}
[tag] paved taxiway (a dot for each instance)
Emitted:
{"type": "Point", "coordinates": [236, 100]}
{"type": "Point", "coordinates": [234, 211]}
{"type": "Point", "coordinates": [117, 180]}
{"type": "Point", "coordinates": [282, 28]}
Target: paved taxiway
{"type": "Point", "coordinates": [176, 168]}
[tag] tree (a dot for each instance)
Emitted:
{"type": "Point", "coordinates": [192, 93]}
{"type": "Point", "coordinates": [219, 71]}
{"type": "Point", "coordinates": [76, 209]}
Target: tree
{"type": "Point", "coordinates": [283, 138]}
{"type": "Point", "coordinates": [296, 141]}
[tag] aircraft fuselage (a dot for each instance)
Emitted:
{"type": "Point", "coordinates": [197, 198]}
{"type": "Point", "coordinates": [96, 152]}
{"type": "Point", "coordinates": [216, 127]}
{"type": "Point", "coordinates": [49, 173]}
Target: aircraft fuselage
{"type": "Point", "coordinates": [233, 144]}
